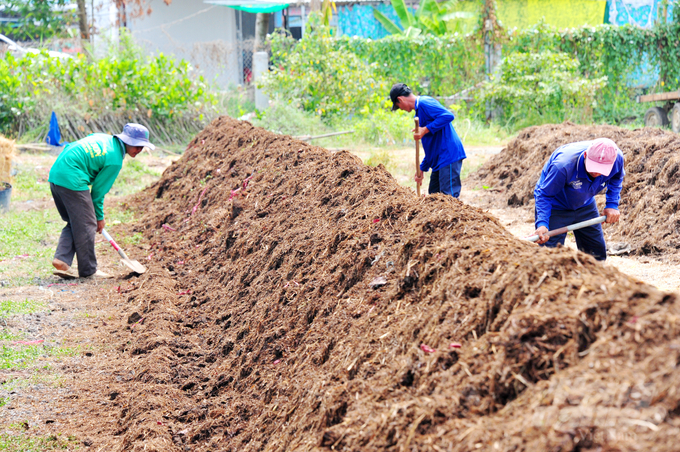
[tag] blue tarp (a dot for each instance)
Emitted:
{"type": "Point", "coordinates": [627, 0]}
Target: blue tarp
{"type": "Point", "coordinates": [54, 134]}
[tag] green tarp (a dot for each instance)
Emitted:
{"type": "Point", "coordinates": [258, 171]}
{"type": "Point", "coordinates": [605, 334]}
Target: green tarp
{"type": "Point", "coordinates": [253, 6]}
{"type": "Point", "coordinates": [260, 9]}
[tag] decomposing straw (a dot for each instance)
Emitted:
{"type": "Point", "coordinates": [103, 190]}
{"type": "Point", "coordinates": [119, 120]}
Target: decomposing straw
{"type": "Point", "coordinates": [6, 156]}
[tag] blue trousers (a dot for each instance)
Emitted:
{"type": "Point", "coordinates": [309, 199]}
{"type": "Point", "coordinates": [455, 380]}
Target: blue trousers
{"type": "Point", "coordinates": [589, 240]}
{"type": "Point", "coordinates": [446, 180]}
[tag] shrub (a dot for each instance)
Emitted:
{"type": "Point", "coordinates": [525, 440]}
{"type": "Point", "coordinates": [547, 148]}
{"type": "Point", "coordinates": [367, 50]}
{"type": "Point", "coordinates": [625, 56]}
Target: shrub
{"type": "Point", "coordinates": [98, 92]}
{"type": "Point", "coordinates": [318, 77]}
{"type": "Point", "coordinates": [383, 127]}
{"type": "Point", "coordinates": [535, 88]}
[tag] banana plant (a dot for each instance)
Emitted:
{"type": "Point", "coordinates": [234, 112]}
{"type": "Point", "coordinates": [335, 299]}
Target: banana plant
{"type": "Point", "coordinates": [429, 18]}
{"type": "Point", "coordinates": [327, 9]}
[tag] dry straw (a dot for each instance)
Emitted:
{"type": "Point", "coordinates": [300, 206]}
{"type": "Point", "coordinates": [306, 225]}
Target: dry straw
{"type": "Point", "coordinates": [6, 156]}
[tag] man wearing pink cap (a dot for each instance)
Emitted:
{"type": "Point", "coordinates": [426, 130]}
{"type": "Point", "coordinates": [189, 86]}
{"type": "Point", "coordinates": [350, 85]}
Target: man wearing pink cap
{"type": "Point", "coordinates": [564, 194]}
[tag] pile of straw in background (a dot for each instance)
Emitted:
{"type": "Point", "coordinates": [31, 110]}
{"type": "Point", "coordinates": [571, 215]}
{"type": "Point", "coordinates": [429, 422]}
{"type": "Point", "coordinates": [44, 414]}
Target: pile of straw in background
{"type": "Point", "coordinates": [6, 156]}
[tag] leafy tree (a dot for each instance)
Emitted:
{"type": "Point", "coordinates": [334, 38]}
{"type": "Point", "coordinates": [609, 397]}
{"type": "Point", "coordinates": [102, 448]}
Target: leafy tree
{"type": "Point", "coordinates": [37, 20]}
{"type": "Point", "coordinates": [535, 88]}
{"type": "Point", "coordinates": [319, 77]}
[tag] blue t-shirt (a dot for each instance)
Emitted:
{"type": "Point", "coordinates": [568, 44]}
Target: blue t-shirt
{"type": "Point", "coordinates": [441, 145]}
{"type": "Point", "coordinates": [566, 185]}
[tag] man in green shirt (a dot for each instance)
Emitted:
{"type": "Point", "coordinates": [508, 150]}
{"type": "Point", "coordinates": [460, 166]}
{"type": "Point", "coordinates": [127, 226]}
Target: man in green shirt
{"type": "Point", "coordinates": [93, 161]}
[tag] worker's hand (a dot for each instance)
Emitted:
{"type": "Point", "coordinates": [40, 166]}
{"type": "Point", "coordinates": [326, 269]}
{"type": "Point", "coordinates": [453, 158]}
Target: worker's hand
{"type": "Point", "coordinates": [100, 226]}
{"type": "Point", "coordinates": [542, 235]}
{"type": "Point", "coordinates": [422, 131]}
{"type": "Point", "coordinates": [419, 176]}
{"type": "Point", "coordinates": [612, 215]}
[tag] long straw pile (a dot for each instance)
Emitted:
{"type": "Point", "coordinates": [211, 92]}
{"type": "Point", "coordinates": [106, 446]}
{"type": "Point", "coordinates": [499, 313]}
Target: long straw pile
{"type": "Point", "coordinates": [6, 155]}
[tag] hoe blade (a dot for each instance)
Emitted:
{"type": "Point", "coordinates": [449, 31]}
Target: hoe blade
{"type": "Point", "coordinates": [134, 266]}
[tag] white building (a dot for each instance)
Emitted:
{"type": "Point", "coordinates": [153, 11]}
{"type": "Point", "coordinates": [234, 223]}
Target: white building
{"type": "Point", "coordinates": [204, 35]}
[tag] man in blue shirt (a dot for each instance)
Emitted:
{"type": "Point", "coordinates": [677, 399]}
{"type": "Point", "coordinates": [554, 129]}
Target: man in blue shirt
{"type": "Point", "coordinates": [564, 194]}
{"type": "Point", "coordinates": [444, 152]}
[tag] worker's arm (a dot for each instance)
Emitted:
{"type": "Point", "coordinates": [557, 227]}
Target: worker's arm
{"type": "Point", "coordinates": [101, 186]}
{"type": "Point", "coordinates": [614, 185]}
{"type": "Point", "coordinates": [613, 196]}
{"type": "Point", "coordinates": [442, 118]}
{"type": "Point", "coordinates": [552, 184]}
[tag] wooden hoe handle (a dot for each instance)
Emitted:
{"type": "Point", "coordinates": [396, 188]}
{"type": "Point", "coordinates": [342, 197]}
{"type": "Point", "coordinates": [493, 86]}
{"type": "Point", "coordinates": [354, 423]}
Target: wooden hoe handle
{"type": "Point", "coordinates": [417, 121]}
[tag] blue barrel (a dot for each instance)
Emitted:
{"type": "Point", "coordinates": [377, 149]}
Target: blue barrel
{"type": "Point", "coordinates": [5, 194]}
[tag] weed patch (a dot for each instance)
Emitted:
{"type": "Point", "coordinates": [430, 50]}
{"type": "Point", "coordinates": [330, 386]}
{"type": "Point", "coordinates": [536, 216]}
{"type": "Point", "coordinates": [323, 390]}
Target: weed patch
{"type": "Point", "coordinates": [21, 442]}
{"type": "Point", "coordinates": [23, 356]}
{"type": "Point", "coordinates": [28, 243]}
{"type": "Point", "coordinates": [31, 182]}
{"type": "Point", "coordinates": [9, 308]}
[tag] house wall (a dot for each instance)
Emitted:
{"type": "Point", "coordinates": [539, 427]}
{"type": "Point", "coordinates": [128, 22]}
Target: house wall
{"type": "Point", "coordinates": [641, 13]}
{"type": "Point", "coordinates": [102, 15]}
{"type": "Point", "coordinates": [358, 20]}
{"type": "Point", "coordinates": [205, 35]}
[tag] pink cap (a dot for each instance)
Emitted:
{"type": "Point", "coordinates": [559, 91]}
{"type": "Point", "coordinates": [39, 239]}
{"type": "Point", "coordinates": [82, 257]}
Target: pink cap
{"type": "Point", "coordinates": [601, 156]}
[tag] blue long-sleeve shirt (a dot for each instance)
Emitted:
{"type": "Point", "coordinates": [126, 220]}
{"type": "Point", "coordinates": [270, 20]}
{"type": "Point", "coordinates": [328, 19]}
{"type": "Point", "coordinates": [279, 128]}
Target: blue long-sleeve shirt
{"type": "Point", "coordinates": [441, 145]}
{"type": "Point", "coordinates": [566, 185]}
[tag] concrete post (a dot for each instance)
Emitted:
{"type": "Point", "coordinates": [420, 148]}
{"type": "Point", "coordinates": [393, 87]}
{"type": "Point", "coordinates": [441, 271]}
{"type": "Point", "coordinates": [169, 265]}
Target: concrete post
{"type": "Point", "coordinates": [260, 67]}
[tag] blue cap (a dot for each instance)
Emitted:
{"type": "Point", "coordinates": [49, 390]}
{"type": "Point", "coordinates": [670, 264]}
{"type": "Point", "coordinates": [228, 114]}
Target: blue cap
{"type": "Point", "coordinates": [135, 135]}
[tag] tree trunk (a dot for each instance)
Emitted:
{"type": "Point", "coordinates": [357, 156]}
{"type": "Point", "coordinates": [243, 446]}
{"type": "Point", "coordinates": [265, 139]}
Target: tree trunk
{"type": "Point", "coordinates": [261, 28]}
{"type": "Point", "coordinates": [82, 20]}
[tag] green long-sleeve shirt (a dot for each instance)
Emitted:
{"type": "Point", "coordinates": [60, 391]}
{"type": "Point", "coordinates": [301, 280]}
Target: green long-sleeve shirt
{"type": "Point", "coordinates": [95, 160]}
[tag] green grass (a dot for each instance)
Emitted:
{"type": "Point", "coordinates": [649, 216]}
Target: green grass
{"type": "Point", "coordinates": [31, 182]}
{"type": "Point", "coordinates": [473, 132]}
{"type": "Point", "coordinates": [40, 375]}
{"type": "Point", "coordinates": [133, 177]}
{"type": "Point", "coordinates": [28, 242]}
{"type": "Point", "coordinates": [22, 442]}
{"type": "Point", "coordinates": [121, 214]}
{"type": "Point", "coordinates": [18, 356]}
{"type": "Point", "coordinates": [23, 356]}
{"type": "Point", "coordinates": [9, 308]}
{"type": "Point", "coordinates": [235, 102]}
{"type": "Point", "coordinates": [6, 335]}
{"type": "Point", "coordinates": [134, 239]}
{"type": "Point", "coordinates": [379, 128]}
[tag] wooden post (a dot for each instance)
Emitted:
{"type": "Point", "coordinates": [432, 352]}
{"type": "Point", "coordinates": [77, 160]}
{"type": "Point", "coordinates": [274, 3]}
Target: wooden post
{"type": "Point", "coordinates": [261, 29]}
{"type": "Point", "coordinates": [417, 121]}
{"type": "Point", "coordinates": [82, 20]}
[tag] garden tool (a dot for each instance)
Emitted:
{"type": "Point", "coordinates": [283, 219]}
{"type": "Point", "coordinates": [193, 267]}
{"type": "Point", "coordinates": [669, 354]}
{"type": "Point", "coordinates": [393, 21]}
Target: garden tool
{"type": "Point", "coordinates": [129, 263]}
{"type": "Point", "coordinates": [417, 121]}
{"type": "Point", "coordinates": [571, 227]}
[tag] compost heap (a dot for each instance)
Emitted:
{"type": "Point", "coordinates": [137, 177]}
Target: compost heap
{"type": "Point", "coordinates": [651, 188]}
{"type": "Point", "coordinates": [300, 300]}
